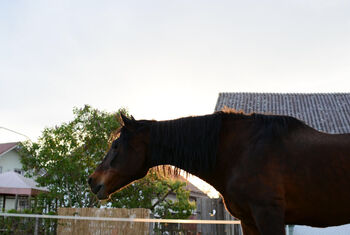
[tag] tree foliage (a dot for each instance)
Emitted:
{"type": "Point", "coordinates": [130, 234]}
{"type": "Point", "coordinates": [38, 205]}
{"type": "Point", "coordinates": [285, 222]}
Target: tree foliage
{"type": "Point", "coordinates": [65, 155]}
{"type": "Point", "coordinates": [157, 193]}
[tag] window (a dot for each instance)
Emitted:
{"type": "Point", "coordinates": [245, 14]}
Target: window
{"type": "Point", "coordinates": [23, 203]}
{"type": "Point", "coordinates": [19, 171]}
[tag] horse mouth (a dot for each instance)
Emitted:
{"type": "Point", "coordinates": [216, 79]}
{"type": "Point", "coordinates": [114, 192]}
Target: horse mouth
{"type": "Point", "coordinates": [102, 195]}
{"type": "Point", "coordinates": [100, 191]}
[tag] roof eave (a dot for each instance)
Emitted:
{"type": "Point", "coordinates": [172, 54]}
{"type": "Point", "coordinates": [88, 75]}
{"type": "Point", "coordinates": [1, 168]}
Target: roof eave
{"type": "Point", "coordinates": [9, 150]}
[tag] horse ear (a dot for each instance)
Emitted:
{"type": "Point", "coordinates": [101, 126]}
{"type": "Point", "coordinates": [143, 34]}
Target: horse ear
{"type": "Point", "coordinates": [128, 123]}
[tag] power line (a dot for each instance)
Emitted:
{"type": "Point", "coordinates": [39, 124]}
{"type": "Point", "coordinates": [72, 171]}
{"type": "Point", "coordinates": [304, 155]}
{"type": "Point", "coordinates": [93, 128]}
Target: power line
{"type": "Point", "coordinates": [16, 132]}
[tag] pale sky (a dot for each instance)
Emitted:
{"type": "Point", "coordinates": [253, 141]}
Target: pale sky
{"type": "Point", "coordinates": [162, 59]}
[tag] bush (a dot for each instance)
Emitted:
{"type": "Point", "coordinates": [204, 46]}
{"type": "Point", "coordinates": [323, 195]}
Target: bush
{"type": "Point", "coordinates": [24, 225]}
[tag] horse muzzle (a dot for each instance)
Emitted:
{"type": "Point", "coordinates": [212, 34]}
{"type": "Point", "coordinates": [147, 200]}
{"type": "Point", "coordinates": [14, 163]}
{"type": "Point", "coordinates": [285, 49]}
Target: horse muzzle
{"type": "Point", "coordinates": [98, 189]}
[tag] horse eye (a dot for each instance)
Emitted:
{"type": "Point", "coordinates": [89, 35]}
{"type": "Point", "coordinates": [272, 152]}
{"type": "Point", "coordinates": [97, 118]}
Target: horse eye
{"type": "Point", "coordinates": [114, 157]}
{"type": "Point", "coordinates": [115, 145]}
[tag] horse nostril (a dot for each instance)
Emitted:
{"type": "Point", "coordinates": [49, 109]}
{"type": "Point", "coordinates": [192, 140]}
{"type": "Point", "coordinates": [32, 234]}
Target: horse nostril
{"type": "Point", "coordinates": [98, 187]}
{"type": "Point", "coordinates": [89, 180]}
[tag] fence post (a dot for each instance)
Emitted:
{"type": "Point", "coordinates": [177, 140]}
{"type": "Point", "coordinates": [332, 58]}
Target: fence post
{"type": "Point", "coordinates": [290, 229]}
{"type": "Point", "coordinates": [16, 202]}
{"type": "Point", "coordinates": [151, 225]}
{"type": "Point", "coordinates": [36, 226]}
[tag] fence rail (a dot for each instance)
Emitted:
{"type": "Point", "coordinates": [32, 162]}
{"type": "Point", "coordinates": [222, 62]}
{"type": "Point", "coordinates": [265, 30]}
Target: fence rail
{"type": "Point", "coordinates": [120, 223]}
{"type": "Point", "coordinates": [37, 224]}
{"type": "Point", "coordinates": [140, 220]}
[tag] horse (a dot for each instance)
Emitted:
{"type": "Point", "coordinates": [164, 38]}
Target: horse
{"type": "Point", "coordinates": [270, 170]}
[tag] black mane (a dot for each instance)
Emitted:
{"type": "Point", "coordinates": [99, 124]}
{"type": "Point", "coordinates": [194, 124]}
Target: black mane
{"type": "Point", "coordinates": [191, 143]}
{"type": "Point", "coordinates": [187, 143]}
{"type": "Point", "coordinates": [276, 125]}
{"type": "Point", "coordinates": [267, 128]}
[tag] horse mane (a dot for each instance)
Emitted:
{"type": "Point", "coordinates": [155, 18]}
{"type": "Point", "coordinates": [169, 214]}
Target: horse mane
{"type": "Point", "coordinates": [187, 143]}
{"type": "Point", "coordinates": [267, 127]}
{"type": "Point", "coordinates": [191, 143]}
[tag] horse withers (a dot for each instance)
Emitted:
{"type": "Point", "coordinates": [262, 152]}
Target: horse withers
{"type": "Point", "coordinates": [270, 170]}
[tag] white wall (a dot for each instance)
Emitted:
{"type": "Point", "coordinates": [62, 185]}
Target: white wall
{"type": "Point", "coordinates": [337, 230]}
{"type": "Point", "coordinates": [10, 203]}
{"type": "Point", "coordinates": [10, 161]}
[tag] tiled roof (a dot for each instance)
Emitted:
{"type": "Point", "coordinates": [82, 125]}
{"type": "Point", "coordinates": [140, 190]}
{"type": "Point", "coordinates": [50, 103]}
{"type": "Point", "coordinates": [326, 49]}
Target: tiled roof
{"type": "Point", "coordinates": [12, 179]}
{"type": "Point", "coordinates": [13, 183]}
{"type": "Point", "coordinates": [194, 190]}
{"type": "Point", "coordinates": [5, 147]}
{"type": "Point", "coordinates": [327, 112]}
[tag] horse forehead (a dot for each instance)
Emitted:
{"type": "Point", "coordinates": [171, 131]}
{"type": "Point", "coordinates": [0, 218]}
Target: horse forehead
{"type": "Point", "coordinates": [106, 160]}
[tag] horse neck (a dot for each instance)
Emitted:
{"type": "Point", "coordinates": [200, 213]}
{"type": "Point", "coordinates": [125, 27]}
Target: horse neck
{"type": "Point", "coordinates": [225, 157]}
{"type": "Point", "coordinates": [187, 143]}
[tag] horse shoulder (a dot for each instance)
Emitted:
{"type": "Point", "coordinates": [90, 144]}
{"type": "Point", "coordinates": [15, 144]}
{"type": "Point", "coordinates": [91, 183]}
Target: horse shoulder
{"type": "Point", "coordinates": [254, 182]}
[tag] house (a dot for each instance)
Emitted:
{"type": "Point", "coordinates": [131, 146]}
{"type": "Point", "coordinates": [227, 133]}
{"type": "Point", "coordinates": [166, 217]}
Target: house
{"type": "Point", "coordinates": [326, 112]}
{"type": "Point", "coordinates": [195, 192]}
{"type": "Point", "coordinates": [10, 160]}
{"type": "Point", "coordinates": [16, 191]}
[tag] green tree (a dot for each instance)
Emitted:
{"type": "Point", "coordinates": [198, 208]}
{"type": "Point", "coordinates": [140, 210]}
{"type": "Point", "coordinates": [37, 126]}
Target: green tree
{"type": "Point", "coordinates": [153, 192]}
{"type": "Point", "coordinates": [65, 155]}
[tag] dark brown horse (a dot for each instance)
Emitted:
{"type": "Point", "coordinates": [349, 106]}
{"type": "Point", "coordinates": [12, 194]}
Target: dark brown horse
{"type": "Point", "coordinates": [270, 170]}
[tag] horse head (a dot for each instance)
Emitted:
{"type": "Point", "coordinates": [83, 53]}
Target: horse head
{"type": "Point", "coordinates": [124, 162]}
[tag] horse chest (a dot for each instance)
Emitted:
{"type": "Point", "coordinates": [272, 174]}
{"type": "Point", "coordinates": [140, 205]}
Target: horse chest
{"type": "Point", "coordinates": [237, 202]}
{"type": "Point", "coordinates": [239, 209]}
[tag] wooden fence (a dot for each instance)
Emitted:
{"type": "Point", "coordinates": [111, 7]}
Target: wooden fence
{"type": "Point", "coordinates": [213, 209]}
{"type": "Point", "coordinates": [86, 227]}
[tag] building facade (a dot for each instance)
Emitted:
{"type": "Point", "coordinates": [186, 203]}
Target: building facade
{"type": "Point", "coordinates": [10, 160]}
{"type": "Point", "coordinates": [16, 191]}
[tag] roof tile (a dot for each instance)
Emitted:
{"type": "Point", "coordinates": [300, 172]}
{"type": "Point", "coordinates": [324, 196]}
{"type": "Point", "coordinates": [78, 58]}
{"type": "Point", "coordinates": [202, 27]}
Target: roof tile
{"type": "Point", "coordinates": [327, 112]}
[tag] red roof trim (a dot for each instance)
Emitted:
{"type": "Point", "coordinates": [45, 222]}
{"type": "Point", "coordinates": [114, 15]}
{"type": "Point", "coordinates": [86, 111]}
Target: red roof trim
{"type": "Point", "coordinates": [6, 147]}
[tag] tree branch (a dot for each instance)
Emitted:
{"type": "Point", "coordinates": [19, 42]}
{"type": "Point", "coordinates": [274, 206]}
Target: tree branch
{"type": "Point", "coordinates": [163, 198]}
